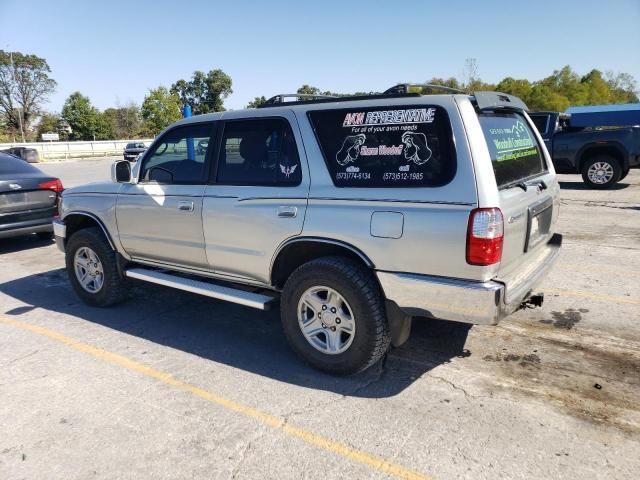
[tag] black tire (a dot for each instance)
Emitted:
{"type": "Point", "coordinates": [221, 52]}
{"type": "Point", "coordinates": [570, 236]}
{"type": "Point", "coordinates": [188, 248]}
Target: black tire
{"type": "Point", "coordinates": [359, 288]}
{"type": "Point", "coordinates": [607, 160]}
{"type": "Point", "coordinates": [44, 235]}
{"type": "Point", "coordinates": [113, 289]}
{"type": "Point", "coordinates": [624, 174]}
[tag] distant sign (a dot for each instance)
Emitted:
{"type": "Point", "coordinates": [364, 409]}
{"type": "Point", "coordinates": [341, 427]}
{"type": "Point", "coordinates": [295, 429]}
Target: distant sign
{"type": "Point", "coordinates": [50, 137]}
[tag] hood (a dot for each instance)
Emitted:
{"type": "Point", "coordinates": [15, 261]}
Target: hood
{"type": "Point", "coordinates": [97, 187]}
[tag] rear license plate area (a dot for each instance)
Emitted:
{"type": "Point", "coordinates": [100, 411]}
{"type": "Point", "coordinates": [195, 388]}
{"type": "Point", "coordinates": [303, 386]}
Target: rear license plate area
{"type": "Point", "coordinates": [539, 223]}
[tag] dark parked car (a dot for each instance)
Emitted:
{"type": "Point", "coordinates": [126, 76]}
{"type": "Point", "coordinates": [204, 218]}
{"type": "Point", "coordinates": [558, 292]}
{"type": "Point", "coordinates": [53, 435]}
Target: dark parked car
{"type": "Point", "coordinates": [133, 149]}
{"type": "Point", "coordinates": [27, 154]}
{"type": "Point", "coordinates": [601, 152]}
{"type": "Point", "coordinates": [28, 199]}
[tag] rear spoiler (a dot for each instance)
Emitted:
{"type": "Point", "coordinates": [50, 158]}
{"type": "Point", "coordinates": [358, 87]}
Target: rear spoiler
{"type": "Point", "coordinates": [498, 101]}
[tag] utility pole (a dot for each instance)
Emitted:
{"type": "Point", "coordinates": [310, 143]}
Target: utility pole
{"type": "Point", "coordinates": [13, 73]}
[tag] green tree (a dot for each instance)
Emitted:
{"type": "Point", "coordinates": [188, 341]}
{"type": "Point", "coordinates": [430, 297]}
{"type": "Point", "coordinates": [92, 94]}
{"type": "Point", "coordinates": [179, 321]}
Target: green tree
{"type": "Point", "coordinates": [450, 82]}
{"type": "Point", "coordinates": [159, 110]}
{"type": "Point", "coordinates": [521, 88]}
{"type": "Point", "coordinates": [566, 83]}
{"type": "Point", "coordinates": [124, 122]}
{"type": "Point", "coordinates": [623, 87]}
{"type": "Point", "coordinates": [256, 102]}
{"type": "Point", "coordinates": [308, 90]}
{"type": "Point", "coordinates": [85, 120]}
{"type": "Point", "coordinates": [544, 98]}
{"type": "Point", "coordinates": [204, 92]}
{"type": "Point", "coordinates": [598, 91]}
{"type": "Point", "coordinates": [48, 124]}
{"type": "Point", "coordinates": [24, 86]}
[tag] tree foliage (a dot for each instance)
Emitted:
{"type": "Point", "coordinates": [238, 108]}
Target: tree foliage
{"type": "Point", "coordinates": [160, 109]}
{"type": "Point", "coordinates": [124, 122]}
{"type": "Point", "coordinates": [204, 92]}
{"type": "Point", "coordinates": [256, 102]}
{"type": "Point", "coordinates": [24, 86]}
{"type": "Point", "coordinates": [563, 88]}
{"type": "Point", "coordinates": [85, 120]}
{"type": "Point", "coordinates": [48, 124]}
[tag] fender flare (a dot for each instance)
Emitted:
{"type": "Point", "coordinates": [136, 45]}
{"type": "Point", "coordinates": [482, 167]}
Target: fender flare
{"type": "Point", "coordinates": [330, 241]}
{"type": "Point", "coordinates": [96, 219]}
{"type": "Point", "coordinates": [615, 145]}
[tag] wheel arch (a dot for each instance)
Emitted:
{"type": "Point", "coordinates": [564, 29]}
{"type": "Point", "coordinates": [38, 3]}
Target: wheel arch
{"type": "Point", "coordinates": [592, 149]}
{"type": "Point", "coordinates": [296, 251]}
{"type": "Point", "coordinates": [78, 220]}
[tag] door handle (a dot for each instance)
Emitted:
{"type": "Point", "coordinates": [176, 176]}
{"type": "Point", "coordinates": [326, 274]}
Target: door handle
{"type": "Point", "coordinates": [185, 206]}
{"type": "Point", "coordinates": [287, 212]}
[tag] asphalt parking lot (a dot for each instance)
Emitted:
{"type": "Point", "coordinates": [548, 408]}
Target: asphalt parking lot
{"type": "Point", "coordinates": [173, 385]}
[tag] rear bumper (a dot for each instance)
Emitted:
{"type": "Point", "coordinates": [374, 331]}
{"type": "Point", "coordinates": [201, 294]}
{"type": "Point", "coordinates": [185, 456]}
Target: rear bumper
{"type": "Point", "coordinates": [59, 233]}
{"type": "Point", "coordinates": [480, 303]}
{"type": "Point", "coordinates": [25, 227]}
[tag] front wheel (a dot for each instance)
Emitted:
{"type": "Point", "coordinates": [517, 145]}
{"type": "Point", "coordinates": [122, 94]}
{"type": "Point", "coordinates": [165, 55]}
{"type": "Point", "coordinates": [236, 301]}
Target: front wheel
{"type": "Point", "coordinates": [601, 172]}
{"type": "Point", "coordinates": [333, 315]}
{"type": "Point", "coordinates": [93, 270]}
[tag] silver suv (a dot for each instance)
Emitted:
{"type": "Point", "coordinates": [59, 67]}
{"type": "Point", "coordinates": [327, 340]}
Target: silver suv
{"type": "Point", "coordinates": [356, 213]}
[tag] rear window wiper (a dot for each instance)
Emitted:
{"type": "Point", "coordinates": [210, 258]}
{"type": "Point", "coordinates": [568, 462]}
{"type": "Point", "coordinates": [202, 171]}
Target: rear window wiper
{"type": "Point", "coordinates": [532, 183]}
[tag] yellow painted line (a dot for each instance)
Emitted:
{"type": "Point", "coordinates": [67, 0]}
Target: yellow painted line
{"type": "Point", "coordinates": [274, 422]}
{"type": "Point", "coordinates": [592, 296]}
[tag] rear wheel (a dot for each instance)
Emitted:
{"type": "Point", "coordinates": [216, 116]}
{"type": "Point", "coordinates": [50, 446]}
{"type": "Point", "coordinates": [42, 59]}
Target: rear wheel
{"type": "Point", "coordinates": [93, 269]}
{"type": "Point", "coordinates": [333, 315]}
{"type": "Point", "coordinates": [601, 172]}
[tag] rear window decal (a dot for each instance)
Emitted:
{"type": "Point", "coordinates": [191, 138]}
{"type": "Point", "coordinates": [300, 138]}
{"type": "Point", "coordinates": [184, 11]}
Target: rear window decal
{"type": "Point", "coordinates": [409, 147]}
{"type": "Point", "coordinates": [389, 117]}
{"type": "Point", "coordinates": [515, 153]}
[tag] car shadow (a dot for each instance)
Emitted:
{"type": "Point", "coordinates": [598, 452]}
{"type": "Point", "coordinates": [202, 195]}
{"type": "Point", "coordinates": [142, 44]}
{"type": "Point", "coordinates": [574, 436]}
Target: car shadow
{"type": "Point", "coordinates": [584, 186]}
{"type": "Point", "coordinates": [24, 242]}
{"type": "Point", "coordinates": [237, 336]}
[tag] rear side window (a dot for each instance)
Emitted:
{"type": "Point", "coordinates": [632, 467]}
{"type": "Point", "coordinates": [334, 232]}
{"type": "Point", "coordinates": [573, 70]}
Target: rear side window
{"type": "Point", "coordinates": [259, 152]}
{"type": "Point", "coordinates": [400, 146]}
{"type": "Point", "coordinates": [541, 122]}
{"type": "Point", "coordinates": [12, 165]}
{"type": "Point", "coordinates": [513, 147]}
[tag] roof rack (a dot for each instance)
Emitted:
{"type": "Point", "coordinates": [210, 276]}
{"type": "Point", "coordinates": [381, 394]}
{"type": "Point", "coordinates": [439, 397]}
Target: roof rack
{"type": "Point", "coordinates": [400, 90]}
{"type": "Point", "coordinates": [304, 96]}
{"type": "Point", "coordinates": [404, 88]}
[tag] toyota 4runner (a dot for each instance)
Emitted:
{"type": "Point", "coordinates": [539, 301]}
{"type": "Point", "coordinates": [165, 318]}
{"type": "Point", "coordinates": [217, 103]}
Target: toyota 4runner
{"type": "Point", "coordinates": [356, 213]}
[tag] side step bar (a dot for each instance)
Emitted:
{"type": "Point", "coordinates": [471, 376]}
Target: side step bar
{"type": "Point", "coordinates": [248, 299]}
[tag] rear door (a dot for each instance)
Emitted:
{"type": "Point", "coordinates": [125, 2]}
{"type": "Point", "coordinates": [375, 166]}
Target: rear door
{"type": "Point", "coordinates": [258, 198]}
{"type": "Point", "coordinates": [527, 186]}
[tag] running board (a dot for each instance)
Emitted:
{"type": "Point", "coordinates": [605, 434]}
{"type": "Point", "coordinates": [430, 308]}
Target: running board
{"type": "Point", "coordinates": [248, 299]}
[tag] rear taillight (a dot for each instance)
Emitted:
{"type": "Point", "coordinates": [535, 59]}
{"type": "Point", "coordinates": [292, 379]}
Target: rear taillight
{"type": "Point", "coordinates": [55, 185]}
{"type": "Point", "coordinates": [484, 236]}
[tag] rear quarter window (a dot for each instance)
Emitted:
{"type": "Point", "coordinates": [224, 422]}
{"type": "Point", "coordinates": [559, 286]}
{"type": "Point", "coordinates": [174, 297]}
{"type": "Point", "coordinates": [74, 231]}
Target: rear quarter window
{"type": "Point", "coordinates": [515, 152]}
{"type": "Point", "coordinates": [399, 146]}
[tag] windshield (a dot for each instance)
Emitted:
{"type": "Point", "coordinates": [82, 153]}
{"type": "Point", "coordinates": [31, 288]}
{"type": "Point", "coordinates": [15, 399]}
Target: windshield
{"type": "Point", "coordinates": [515, 152]}
{"type": "Point", "coordinates": [135, 145]}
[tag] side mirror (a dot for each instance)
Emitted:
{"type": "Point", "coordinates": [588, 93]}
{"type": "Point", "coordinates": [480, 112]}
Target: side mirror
{"type": "Point", "coordinates": [121, 172]}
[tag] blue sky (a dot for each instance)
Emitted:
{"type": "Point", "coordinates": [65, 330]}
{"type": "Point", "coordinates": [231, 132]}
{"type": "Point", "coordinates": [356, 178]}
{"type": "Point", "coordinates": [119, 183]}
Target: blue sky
{"type": "Point", "coordinates": [114, 51]}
